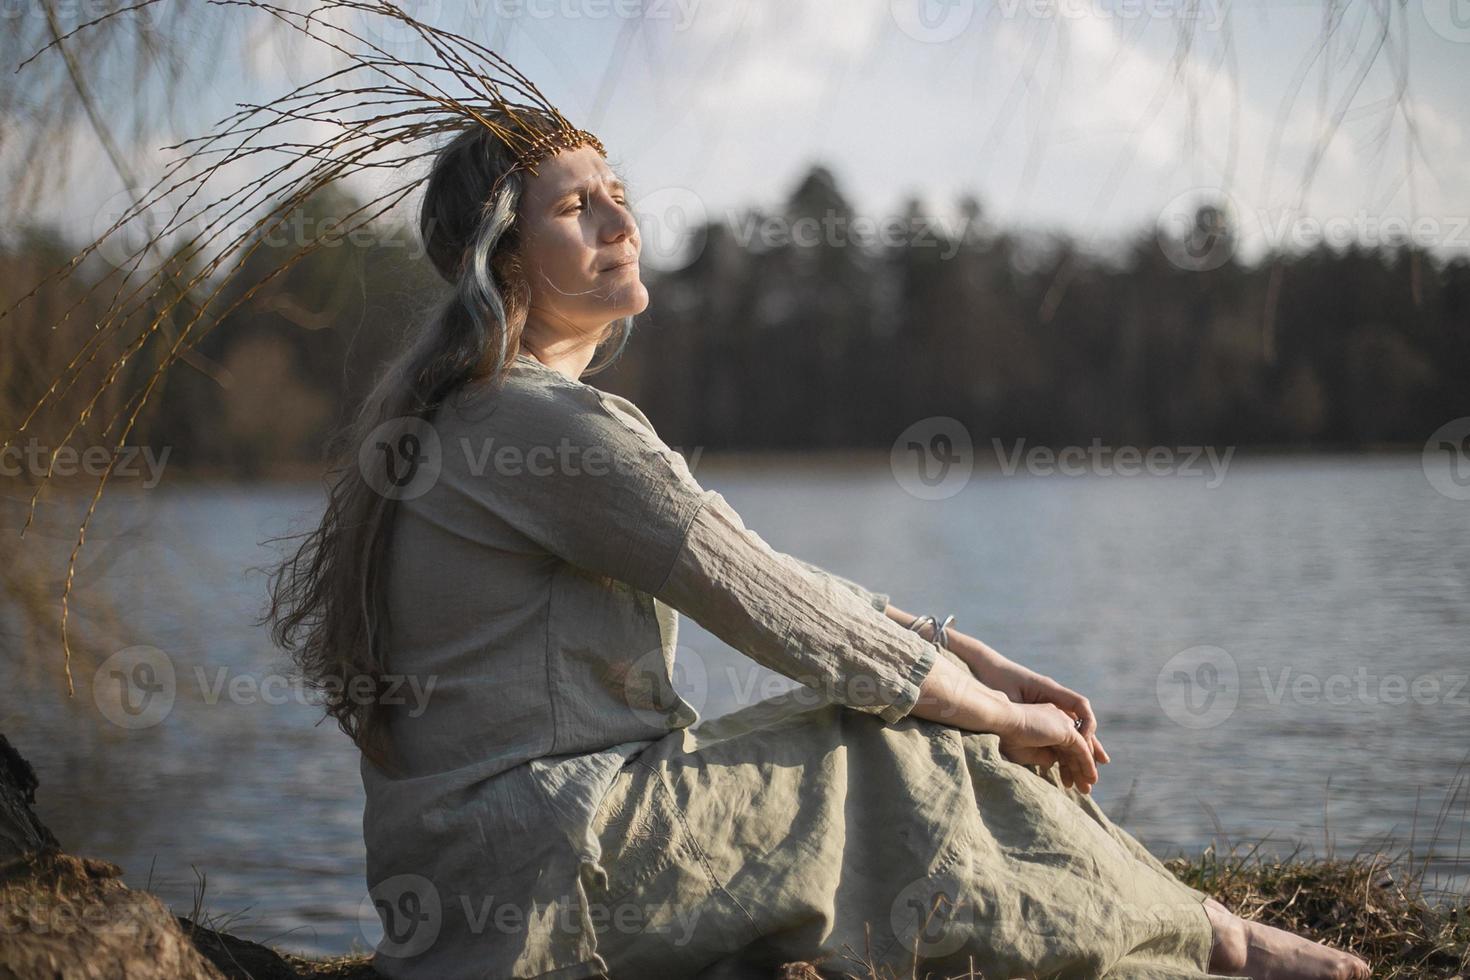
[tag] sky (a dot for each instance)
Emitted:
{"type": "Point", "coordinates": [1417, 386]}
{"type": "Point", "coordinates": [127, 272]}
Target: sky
{"type": "Point", "coordinates": [1097, 118]}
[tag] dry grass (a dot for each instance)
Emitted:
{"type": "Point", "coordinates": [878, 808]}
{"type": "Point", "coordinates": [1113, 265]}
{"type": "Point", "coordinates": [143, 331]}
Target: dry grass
{"type": "Point", "coordinates": [1379, 906]}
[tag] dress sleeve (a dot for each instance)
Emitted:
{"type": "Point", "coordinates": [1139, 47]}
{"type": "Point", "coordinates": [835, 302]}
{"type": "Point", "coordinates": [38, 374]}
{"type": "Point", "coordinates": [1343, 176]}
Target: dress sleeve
{"type": "Point", "coordinates": [802, 623]}
{"type": "Point", "coordinates": [878, 600]}
{"type": "Point", "coordinates": [578, 480]}
{"type": "Point", "coordinates": [607, 495]}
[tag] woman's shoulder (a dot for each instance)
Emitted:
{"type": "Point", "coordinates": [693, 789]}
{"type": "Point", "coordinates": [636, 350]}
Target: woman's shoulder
{"type": "Point", "coordinates": [533, 398]}
{"type": "Point", "coordinates": [526, 385]}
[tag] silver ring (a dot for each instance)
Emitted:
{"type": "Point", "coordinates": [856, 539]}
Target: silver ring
{"type": "Point", "coordinates": [1077, 723]}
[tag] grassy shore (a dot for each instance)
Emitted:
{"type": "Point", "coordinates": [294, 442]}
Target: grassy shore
{"type": "Point", "coordinates": [1381, 907]}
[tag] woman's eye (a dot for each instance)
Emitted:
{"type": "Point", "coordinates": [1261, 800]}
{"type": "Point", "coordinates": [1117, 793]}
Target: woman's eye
{"type": "Point", "coordinates": [575, 208]}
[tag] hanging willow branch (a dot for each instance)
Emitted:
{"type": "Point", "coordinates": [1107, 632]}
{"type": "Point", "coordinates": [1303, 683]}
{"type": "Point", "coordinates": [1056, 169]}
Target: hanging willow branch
{"type": "Point", "coordinates": [376, 103]}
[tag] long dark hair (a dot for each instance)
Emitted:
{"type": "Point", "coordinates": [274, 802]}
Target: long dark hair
{"type": "Point", "coordinates": [327, 601]}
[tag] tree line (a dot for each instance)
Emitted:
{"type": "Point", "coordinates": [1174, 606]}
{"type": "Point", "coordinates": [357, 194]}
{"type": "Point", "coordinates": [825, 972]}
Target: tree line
{"type": "Point", "coordinates": [830, 341]}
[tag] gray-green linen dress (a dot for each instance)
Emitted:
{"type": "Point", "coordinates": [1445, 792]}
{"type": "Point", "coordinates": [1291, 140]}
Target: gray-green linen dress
{"type": "Point", "coordinates": [552, 813]}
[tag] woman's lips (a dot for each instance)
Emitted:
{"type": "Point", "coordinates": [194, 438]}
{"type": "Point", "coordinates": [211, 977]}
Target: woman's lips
{"type": "Point", "coordinates": [630, 263]}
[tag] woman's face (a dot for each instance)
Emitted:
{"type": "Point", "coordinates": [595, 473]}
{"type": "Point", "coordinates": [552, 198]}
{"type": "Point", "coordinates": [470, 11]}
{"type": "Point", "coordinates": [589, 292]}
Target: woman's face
{"type": "Point", "coordinates": [580, 246]}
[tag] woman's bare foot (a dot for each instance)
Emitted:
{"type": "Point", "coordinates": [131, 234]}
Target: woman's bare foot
{"type": "Point", "coordinates": [1264, 952]}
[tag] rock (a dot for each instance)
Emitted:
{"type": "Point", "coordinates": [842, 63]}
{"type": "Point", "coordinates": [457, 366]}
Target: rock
{"type": "Point", "coordinates": [21, 832]}
{"type": "Point", "coordinates": [71, 918]}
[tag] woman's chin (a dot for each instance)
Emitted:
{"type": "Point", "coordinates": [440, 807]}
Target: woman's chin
{"type": "Point", "coordinates": [630, 300]}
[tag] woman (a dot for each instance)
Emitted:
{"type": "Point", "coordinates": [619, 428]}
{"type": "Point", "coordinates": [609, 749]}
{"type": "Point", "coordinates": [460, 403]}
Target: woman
{"type": "Point", "coordinates": [518, 544]}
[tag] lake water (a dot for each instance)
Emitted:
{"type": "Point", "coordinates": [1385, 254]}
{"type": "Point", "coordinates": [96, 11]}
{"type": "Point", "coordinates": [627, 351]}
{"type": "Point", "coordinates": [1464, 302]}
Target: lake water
{"type": "Point", "coordinates": [1283, 655]}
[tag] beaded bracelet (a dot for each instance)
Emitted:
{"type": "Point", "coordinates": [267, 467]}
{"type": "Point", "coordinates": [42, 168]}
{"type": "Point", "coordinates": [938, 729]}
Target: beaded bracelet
{"type": "Point", "coordinates": [941, 637]}
{"type": "Point", "coordinates": [941, 630]}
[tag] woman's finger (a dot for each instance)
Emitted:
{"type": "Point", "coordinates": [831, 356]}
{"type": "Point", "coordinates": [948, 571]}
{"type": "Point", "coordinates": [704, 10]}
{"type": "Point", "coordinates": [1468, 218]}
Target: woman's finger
{"type": "Point", "coordinates": [1089, 720]}
{"type": "Point", "coordinates": [1098, 752]}
{"type": "Point", "coordinates": [1079, 755]}
{"type": "Point", "coordinates": [1077, 706]}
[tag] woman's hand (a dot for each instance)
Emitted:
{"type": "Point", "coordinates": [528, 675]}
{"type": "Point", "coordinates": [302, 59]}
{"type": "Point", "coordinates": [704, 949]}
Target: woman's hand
{"type": "Point", "coordinates": [1026, 686]}
{"type": "Point", "coordinates": [1029, 734]}
{"type": "Point", "coordinates": [1043, 734]}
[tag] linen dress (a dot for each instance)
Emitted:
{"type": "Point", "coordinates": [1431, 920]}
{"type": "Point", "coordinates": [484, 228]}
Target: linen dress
{"type": "Point", "coordinates": [551, 812]}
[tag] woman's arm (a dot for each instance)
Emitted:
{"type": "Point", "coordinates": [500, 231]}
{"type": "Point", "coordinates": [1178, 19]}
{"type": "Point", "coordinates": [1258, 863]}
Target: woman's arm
{"type": "Point", "coordinates": [954, 696]}
{"type": "Point", "coordinates": [1015, 682]}
{"type": "Point", "coordinates": [607, 495]}
{"type": "Point", "coordinates": [878, 600]}
{"type": "Point", "coordinates": [1030, 734]}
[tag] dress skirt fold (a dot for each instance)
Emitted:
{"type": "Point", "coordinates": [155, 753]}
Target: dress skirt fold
{"type": "Point", "coordinates": [782, 831]}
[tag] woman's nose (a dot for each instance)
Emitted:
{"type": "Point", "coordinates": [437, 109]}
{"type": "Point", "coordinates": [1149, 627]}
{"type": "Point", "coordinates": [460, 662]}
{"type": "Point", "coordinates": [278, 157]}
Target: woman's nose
{"type": "Point", "coordinates": [617, 221]}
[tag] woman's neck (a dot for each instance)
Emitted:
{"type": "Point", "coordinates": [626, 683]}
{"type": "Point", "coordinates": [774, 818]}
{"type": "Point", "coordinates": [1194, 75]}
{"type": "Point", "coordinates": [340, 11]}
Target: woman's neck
{"type": "Point", "coordinates": [568, 355]}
